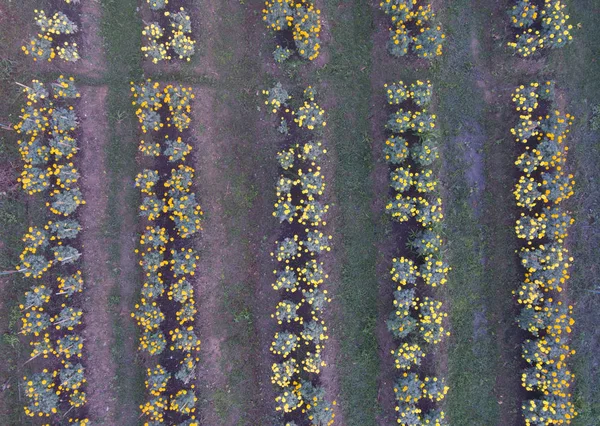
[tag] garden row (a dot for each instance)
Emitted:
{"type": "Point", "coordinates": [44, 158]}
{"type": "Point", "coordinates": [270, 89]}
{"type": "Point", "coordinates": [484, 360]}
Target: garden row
{"type": "Point", "coordinates": [169, 34]}
{"type": "Point", "coordinates": [538, 25]}
{"type": "Point", "coordinates": [416, 322]}
{"type": "Point", "coordinates": [297, 25]}
{"type": "Point", "coordinates": [546, 317]}
{"type": "Point", "coordinates": [414, 29]}
{"type": "Point", "coordinates": [51, 309]}
{"type": "Point", "coordinates": [166, 310]}
{"type": "Point", "coordinates": [56, 36]}
{"type": "Point", "coordinates": [298, 344]}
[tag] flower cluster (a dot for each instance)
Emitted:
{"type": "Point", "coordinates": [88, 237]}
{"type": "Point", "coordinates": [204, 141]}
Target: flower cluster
{"type": "Point", "coordinates": [300, 23]}
{"type": "Point", "coordinates": [44, 45]}
{"type": "Point", "coordinates": [543, 225]}
{"type": "Point", "coordinates": [299, 277]}
{"type": "Point", "coordinates": [165, 254]}
{"type": "Point", "coordinates": [417, 319]}
{"type": "Point", "coordinates": [51, 317]}
{"type": "Point", "coordinates": [414, 28]}
{"type": "Point", "coordinates": [174, 42]}
{"type": "Point", "coordinates": [539, 25]}
{"type": "Point", "coordinates": [158, 108]}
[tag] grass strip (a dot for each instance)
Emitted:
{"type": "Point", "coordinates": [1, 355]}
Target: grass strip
{"type": "Point", "coordinates": [121, 29]}
{"type": "Point", "coordinates": [347, 76]}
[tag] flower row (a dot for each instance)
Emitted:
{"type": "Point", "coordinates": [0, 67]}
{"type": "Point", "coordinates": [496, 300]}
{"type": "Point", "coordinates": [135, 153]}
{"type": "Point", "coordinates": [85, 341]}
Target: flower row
{"type": "Point", "coordinates": [417, 320]}
{"type": "Point", "coordinates": [539, 24]}
{"type": "Point", "coordinates": [166, 310]}
{"type": "Point", "coordinates": [170, 41]}
{"type": "Point", "coordinates": [298, 344]}
{"type": "Point", "coordinates": [300, 23]}
{"type": "Point", "coordinates": [414, 28]}
{"type": "Point", "coordinates": [52, 317]}
{"type": "Point", "coordinates": [543, 225]}
{"type": "Point", "coordinates": [48, 42]}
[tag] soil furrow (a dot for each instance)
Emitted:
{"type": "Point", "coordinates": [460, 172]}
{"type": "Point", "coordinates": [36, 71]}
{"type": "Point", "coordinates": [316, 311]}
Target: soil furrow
{"type": "Point", "coordinates": [97, 275]}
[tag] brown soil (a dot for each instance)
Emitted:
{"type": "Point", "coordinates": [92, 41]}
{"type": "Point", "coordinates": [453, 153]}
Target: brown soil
{"type": "Point", "coordinates": [474, 139]}
{"type": "Point", "coordinates": [101, 279]}
{"type": "Point", "coordinates": [226, 261]}
{"type": "Point", "coordinates": [93, 62]}
{"type": "Point", "coordinates": [213, 249]}
{"type": "Point", "coordinates": [98, 277]}
{"type": "Point", "coordinates": [233, 253]}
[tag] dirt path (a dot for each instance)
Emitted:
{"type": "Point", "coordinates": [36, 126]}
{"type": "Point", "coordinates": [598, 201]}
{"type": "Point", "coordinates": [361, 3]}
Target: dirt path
{"type": "Point", "coordinates": [213, 254]}
{"type": "Point", "coordinates": [232, 278]}
{"type": "Point", "coordinates": [98, 277]}
{"type": "Point", "coordinates": [236, 175]}
{"type": "Point", "coordinates": [110, 282]}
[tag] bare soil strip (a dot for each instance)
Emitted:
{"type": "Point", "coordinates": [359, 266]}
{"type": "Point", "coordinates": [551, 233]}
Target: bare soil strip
{"type": "Point", "coordinates": [99, 280]}
{"type": "Point", "coordinates": [213, 250]}
{"type": "Point", "coordinates": [93, 57]}
{"type": "Point", "coordinates": [231, 379]}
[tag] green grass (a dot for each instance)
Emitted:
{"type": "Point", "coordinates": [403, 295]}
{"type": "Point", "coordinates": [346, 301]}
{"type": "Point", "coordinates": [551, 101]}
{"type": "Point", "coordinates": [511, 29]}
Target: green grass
{"type": "Point", "coordinates": [119, 22]}
{"type": "Point", "coordinates": [243, 163]}
{"type": "Point", "coordinates": [348, 123]}
{"type": "Point", "coordinates": [482, 366]}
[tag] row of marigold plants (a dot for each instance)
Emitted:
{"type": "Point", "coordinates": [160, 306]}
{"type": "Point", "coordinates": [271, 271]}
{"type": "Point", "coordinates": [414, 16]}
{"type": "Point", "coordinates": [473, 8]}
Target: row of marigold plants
{"type": "Point", "coordinates": [414, 29]}
{"type": "Point", "coordinates": [166, 309]}
{"type": "Point", "coordinates": [52, 318]}
{"type": "Point", "coordinates": [297, 24]}
{"type": "Point", "coordinates": [300, 274]}
{"type": "Point", "coordinates": [540, 194]}
{"type": "Point", "coordinates": [416, 322]}
{"type": "Point", "coordinates": [539, 25]}
{"type": "Point", "coordinates": [169, 35]}
{"type": "Point", "coordinates": [56, 35]}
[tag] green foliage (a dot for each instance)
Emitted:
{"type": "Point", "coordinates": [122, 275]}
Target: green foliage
{"type": "Point", "coordinates": [42, 398]}
{"type": "Point", "coordinates": [64, 229]}
{"type": "Point", "coordinates": [407, 356]}
{"type": "Point", "coordinates": [421, 93]}
{"type": "Point", "coordinates": [396, 150]}
{"type": "Point", "coordinates": [176, 150]}
{"type": "Point", "coordinates": [66, 202]}
{"type": "Point", "coordinates": [157, 4]}
{"type": "Point", "coordinates": [523, 14]}
{"type": "Point", "coordinates": [425, 152]}
{"type": "Point", "coordinates": [68, 318]}
{"type": "Point", "coordinates": [426, 242]}
{"type": "Point", "coordinates": [286, 279]}
{"type": "Point", "coordinates": [277, 97]}
{"type": "Point", "coordinates": [281, 54]}
{"type": "Point", "coordinates": [146, 180]}
{"type": "Point", "coordinates": [284, 344]}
